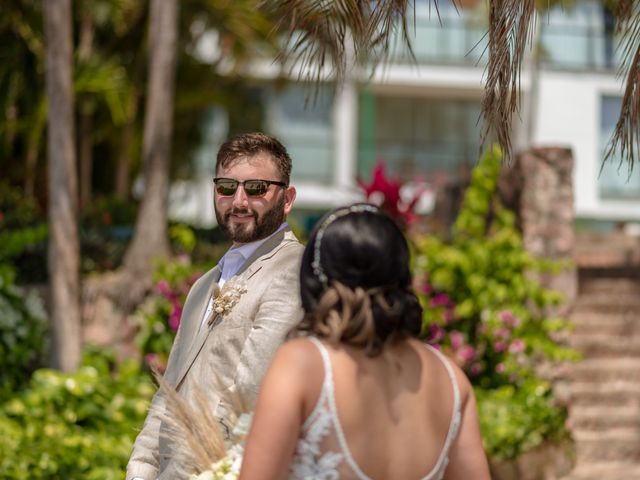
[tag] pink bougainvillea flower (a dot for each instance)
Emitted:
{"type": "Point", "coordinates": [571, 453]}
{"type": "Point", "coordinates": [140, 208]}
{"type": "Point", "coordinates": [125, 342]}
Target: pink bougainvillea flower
{"type": "Point", "coordinates": [457, 339]}
{"type": "Point", "coordinates": [475, 369]}
{"type": "Point", "coordinates": [500, 346]}
{"type": "Point", "coordinates": [517, 346]}
{"type": "Point", "coordinates": [508, 318]}
{"type": "Point", "coordinates": [154, 362]}
{"type": "Point", "coordinates": [440, 300]}
{"type": "Point", "coordinates": [174, 318]}
{"type": "Point", "coordinates": [502, 333]}
{"type": "Point", "coordinates": [449, 316]}
{"type": "Point", "coordinates": [500, 368]}
{"type": "Point", "coordinates": [436, 333]}
{"type": "Point", "coordinates": [166, 291]}
{"type": "Point", "coordinates": [426, 288]}
{"type": "Point", "coordinates": [466, 353]}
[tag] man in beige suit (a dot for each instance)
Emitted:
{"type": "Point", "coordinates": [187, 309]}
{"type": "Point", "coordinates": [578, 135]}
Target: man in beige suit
{"type": "Point", "coordinates": [238, 313]}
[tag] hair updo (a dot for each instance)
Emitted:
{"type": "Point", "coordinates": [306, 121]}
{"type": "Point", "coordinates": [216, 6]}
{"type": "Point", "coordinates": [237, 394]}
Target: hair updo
{"type": "Point", "coordinates": [355, 282]}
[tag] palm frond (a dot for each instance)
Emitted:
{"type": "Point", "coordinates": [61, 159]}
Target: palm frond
{"type": "Point", "coordinates": [626, 136]}
{"type": "Point", "coordinates": [330, 36]}
{"type": "Point", "coordinates": [386, 18]}
{"type": "Point", "coordinates": [510, 31]}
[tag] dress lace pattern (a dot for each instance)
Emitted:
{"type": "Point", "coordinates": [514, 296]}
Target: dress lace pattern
{"type": "Point", "coordinates": [322, 452]}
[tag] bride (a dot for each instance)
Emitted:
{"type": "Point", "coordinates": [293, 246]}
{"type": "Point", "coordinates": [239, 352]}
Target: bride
{"type": "Point", "coordinates": [357, 395]}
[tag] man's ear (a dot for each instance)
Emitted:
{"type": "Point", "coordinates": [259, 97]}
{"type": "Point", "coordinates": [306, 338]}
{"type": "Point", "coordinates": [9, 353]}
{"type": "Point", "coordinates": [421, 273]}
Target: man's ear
{"type": "Point", "coordinates": [289, 198]}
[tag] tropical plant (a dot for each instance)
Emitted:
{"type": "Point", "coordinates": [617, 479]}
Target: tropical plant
{"type": "Point", "coordinates": [482, 300]}
{"type": "Point", "coordinates": [79, 425]}
{"type": "Point", "coordinates": [515, 419]}
{"type": "Point", "coordinates": [484, 306]}
{"type": "Point", "coordinates": [158, 318]}
{"type": "Point", "coordinates": [23, 328]}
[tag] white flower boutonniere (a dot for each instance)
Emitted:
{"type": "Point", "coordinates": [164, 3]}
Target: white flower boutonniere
{"type": "Point", "coordinates": [229, 295]}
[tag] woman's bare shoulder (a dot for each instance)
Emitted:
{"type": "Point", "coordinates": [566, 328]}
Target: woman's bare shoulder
{"type": "Point", "coordinates": [460, 377]}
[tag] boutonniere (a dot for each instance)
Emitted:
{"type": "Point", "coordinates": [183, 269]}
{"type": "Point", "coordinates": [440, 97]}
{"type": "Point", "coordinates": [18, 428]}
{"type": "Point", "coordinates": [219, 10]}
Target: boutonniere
{"type": "Point", "coordinates": [228, 296]}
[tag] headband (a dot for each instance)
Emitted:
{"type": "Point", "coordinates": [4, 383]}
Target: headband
{"type": "Point", "coordinates": [316, 265]}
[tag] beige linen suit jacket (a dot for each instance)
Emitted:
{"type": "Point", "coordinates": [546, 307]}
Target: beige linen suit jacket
{"type": "Point", "coordinates": [233, 353]}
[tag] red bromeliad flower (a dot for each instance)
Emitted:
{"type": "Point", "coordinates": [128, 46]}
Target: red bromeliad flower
{"type": "Point", "coordinates": [385, 192]}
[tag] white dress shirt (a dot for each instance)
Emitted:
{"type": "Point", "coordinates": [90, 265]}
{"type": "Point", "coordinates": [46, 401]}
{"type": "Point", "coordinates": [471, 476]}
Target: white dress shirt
{"type": "Point", "coordinates": [231, 262]}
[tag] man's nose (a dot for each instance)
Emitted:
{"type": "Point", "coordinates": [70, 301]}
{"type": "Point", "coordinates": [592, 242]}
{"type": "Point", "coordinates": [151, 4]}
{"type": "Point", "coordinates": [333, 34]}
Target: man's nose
{"type": "Point", "coordinates": [240, 198]}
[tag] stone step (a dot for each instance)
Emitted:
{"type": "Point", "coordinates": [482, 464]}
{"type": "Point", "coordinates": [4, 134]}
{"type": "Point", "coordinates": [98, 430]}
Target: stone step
{"type": "Point", "coordinates": [602, 301]}
{"type": "Point", "coordinates": [609, 285]}
{"type": "Point", "coordinates": [606, 369]}
{"type": "Point", "coordinates": [604, 417]}
{"type": "Point", "coordinates": [609, 446]}
{"type": "Point", "coordinates": [609, 322]}
{"type": "Point", "coordinates": [611, 342]}
{"type": "Point", "coordinates": [614, 393]}
{"type": "Point", "coordinates": [605, 471]}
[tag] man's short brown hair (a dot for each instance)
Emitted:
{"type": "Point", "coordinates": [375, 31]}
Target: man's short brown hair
{"type": "Point", "coordinates": [252, 144]}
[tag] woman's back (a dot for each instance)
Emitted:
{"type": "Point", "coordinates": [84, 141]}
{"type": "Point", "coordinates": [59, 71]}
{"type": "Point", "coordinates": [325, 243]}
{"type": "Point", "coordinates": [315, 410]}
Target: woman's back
{"type": "Point", "coordinates": [389, 416]}
{"type": "Point", "coordinates": [369, 401]}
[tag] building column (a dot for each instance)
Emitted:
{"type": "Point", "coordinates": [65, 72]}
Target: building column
{"type": "Point", "coordinates": [345, 134]}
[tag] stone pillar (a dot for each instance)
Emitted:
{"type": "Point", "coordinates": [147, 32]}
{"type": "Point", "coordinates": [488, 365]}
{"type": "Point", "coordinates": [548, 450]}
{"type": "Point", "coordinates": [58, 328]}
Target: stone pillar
{"type": "Point", "coordinates": [546, 212]}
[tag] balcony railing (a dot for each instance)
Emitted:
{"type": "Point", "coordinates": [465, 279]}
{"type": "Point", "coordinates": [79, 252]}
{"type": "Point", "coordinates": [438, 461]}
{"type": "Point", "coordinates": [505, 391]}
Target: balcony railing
{"type": "Point", "coordinates": [464, 42]}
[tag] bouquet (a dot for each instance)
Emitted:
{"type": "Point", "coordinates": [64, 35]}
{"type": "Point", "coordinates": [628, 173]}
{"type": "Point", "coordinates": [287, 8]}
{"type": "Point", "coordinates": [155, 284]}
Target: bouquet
{"type": "Point", "coordinates": [205, 447]}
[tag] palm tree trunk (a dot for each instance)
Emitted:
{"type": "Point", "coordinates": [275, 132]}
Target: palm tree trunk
{"type": "Point", "coordinates": [63, 254]}
{"type": "Point", "coordinates": [150, 238]}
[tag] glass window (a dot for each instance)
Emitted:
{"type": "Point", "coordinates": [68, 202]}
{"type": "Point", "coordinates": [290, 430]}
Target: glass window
{"type": "Point", "coordinates": [417, 136]}
{"type": "Point", "coordinates": [614, 180]}
{"type": "Point", "coordinates": [304, 125]}
{"type": "Point", "coordinates": [580, 36]}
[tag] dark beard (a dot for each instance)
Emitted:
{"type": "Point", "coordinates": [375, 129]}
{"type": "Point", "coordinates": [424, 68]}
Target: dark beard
{"type": "Point", "coordinates": [260, 228]}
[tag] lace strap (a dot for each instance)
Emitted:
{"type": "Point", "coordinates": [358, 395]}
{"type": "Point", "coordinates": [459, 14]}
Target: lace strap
{"type": "Point", "coordinates": [328, 377]}
{"type": "Point", "coordinates": [326, 361]}
{"type": "Point", "coordinates": [327, 383]}
{"type": "Point", "coordinates": [455, 416]}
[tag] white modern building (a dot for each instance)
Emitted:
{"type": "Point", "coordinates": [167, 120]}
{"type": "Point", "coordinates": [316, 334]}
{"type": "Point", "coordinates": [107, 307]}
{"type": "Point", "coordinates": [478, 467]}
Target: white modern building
{"type": "Point", "coordinates": [422, 118]}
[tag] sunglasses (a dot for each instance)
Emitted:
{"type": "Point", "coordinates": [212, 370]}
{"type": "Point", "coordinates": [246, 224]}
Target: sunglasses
{"type": "Point", "coordinates": [253, 188]}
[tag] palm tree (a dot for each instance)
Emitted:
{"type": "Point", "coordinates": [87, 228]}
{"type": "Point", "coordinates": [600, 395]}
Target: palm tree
{"type": "Point", "coordinates": [63, 255]}
{"type": "Point", "coordinates": [151, 238]}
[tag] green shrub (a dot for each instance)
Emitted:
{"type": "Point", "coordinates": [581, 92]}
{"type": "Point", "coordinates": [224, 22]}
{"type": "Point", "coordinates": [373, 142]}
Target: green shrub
{"type": "Point", "coordinates": [514, 419]}
{"type": "Point", "coordinates": [23, 328]}
{"type": "Point", "coordinates": [483, 302]}
{"type": "Point", "coordinates": [484, 306]}
{"type": "Point", "coordinates": [158, 317]}
{"type": "Point", "coordinates": [23, 234]}
{"type": "Point", "coordinates": [79, 425]}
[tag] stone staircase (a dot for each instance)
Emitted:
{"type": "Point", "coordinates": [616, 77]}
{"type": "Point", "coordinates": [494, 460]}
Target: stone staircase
{"type": "Point", "coordinates": [604, 407]}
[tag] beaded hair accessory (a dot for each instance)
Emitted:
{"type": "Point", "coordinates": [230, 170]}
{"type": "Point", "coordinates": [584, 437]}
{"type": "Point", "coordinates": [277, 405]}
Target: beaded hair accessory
{"type": "Point", "coordinates": [316, 265]}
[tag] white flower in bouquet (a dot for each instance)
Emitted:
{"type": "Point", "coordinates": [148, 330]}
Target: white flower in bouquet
{"type": "Point", "coordinates": [228, 467]}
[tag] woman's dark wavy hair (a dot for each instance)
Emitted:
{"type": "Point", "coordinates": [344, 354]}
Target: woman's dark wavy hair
{"type": "Point", "coordinates": [367, 300]}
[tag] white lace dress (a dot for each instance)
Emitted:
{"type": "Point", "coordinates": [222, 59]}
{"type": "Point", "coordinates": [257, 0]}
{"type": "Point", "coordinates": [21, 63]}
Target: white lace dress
{"type": "Point", "coordinates": [322, 452]}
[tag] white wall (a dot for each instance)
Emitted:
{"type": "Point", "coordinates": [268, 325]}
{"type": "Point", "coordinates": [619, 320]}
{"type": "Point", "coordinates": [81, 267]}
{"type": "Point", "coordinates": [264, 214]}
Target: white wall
{"type": "Point", "coordinates": [569, 115]}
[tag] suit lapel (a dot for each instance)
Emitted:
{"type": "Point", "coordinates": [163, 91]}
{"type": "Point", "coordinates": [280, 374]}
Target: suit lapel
{"type": "Point", "coordinates": [249, 268]}
{"type": "Point", "coordinates": [198, 330]}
